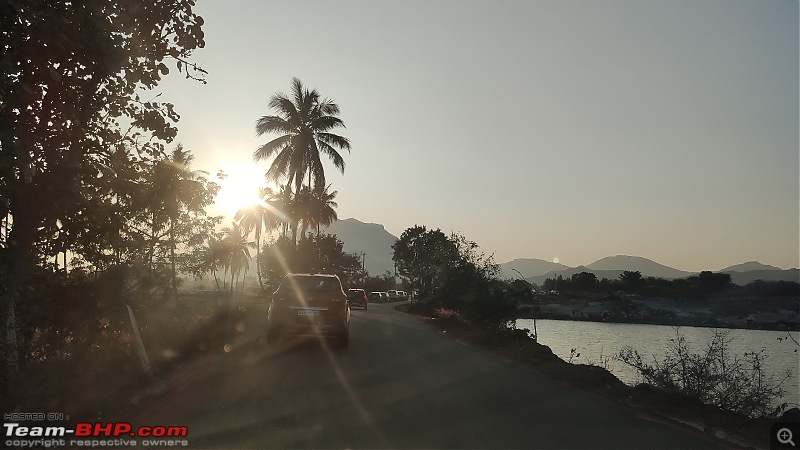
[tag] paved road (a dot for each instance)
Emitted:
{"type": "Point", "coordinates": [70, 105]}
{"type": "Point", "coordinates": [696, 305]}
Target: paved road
{"type": "Point", "coordinates": [400, 384]}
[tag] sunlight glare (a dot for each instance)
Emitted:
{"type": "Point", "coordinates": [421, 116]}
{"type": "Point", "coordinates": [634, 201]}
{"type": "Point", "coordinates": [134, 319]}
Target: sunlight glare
{"type": "Point", "coordinates": [556, 260]}
{"type": "Point", "coordinates": [240, 188]}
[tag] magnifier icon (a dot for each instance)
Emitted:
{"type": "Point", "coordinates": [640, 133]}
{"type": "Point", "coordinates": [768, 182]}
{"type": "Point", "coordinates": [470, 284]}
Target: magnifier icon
{"type": "Point", "coordinates": [785, 436]}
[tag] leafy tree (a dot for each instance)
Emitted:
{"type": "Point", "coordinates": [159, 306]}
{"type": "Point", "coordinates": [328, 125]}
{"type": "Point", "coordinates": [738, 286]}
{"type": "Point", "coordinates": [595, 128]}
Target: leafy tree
{"type": "Point", "coordinates": [322, 253]}
{"type": "Point", "coordinates": [303, 121]}
{"type": "Point", "coordinates": [450, 272]}
{"type": "Point", "coordinates": [378, 283]}
{"type": "Point", "coordinates": [421, 255]}
{"type": "Point", "coordinates": [176, 199]}
{"type": "Point", "coordinates": [712, 282]}
{"type": "Point", "coordinates": [631, 280]}
{"type": "Point", "coordinates": [74, 74]}
{"type": "Point", "coordinates": [583, 281]}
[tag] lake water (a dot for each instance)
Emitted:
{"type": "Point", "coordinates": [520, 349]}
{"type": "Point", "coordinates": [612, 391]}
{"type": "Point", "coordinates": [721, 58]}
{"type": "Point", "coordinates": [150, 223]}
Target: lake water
{"type": "Point", "coordinates": [598, 343]}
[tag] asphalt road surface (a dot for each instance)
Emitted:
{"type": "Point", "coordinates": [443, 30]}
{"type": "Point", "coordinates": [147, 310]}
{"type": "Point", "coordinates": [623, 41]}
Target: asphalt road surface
{"type": "Point", "coordinates": [400, 384]}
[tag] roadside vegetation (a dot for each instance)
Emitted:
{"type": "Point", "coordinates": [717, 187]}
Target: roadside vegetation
{"type": "Point", "coordinates": [707, 299]}
{"type": "Point", "coordinates": [100, 211]}
{"type": "Point", "coordinates": [720, 376]}
{"type": "Point", "coordinates": [451, 274]}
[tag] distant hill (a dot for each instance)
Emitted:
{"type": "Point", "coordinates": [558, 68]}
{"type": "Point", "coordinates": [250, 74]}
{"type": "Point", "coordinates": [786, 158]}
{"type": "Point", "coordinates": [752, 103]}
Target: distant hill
{"type": "Point", "coordinates": [743, 278]}
{"type": "Point", "coordinates": [749, 266]}
{"type": "Point", "coordinates": [529, 267]}
{"type": "Point", "coordinates": [376, 243]}
{"type": "Point", "coordinates": [647, 267]}
{"type": "Point", "coordinates": [370, 238]}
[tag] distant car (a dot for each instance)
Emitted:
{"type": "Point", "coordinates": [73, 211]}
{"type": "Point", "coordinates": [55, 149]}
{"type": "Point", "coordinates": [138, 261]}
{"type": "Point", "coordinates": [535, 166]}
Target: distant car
{"type": "Point", "coordinates": [357, 297]}
{"type": "Point", "coordinates": [306, 304]}
{"type": "Point", "coordinates": [378, 297]}
{"type": "Point", "coordinates": [393, 295]}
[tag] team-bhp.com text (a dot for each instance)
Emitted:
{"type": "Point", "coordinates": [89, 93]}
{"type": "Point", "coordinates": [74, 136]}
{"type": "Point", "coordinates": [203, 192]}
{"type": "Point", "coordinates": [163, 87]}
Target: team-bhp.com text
{"type": "Point", "coordinates": [52, 436]}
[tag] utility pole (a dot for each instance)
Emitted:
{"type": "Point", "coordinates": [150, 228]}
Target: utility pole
{"type": "Point", "coordinates": [363, 266]}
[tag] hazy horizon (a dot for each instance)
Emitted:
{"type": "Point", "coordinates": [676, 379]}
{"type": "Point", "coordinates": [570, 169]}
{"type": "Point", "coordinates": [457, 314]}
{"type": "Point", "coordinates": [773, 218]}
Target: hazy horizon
{"type": "Point", "coordinates": [587, 263]}
{"type": "Point", "coordinates": [538, 129]}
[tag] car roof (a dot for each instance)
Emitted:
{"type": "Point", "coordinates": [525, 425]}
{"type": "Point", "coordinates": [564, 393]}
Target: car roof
{"type": "Point", "coordinates": [319, 275]}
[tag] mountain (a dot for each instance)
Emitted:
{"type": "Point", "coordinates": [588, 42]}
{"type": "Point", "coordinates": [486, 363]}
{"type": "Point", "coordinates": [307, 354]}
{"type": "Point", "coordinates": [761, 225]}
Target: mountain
{"type": "Point", "coordinates": [376, 243]}
{"type": "Point", "coordinates": [370, 238]}
{"type": "Point", "coordinates": [743, 278]}
{"type": "Point", "coordinates": [647, 267]}
{"type": "Point", "coordinates": [528, 267]}
{"type": "Point", "coordinates": [749, 266]}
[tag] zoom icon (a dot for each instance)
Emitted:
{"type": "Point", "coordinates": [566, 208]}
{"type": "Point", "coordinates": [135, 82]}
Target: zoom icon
{"type": "Point", "coordinates": [784, 435]}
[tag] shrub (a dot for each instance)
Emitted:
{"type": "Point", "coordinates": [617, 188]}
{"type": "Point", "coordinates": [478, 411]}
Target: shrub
{"type": "Point", "coordinates": [717, 377]}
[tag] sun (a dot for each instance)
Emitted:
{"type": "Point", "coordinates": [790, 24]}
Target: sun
{"type": "Point", "coordinates": [239, 189]}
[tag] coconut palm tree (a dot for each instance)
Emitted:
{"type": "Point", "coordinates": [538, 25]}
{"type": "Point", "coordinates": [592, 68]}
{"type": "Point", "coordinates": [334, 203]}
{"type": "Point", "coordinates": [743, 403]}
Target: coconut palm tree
{"type": "Point", "coordinates": [322, 207]}
{"type": "Point", "coordinates": [263, 216]}
{"type": "Point", "coordinates": [303, 122]}
{"type": "Point", "coordinates": [237, 250]}
{"type": "Point", "coordinates": [173, 189]}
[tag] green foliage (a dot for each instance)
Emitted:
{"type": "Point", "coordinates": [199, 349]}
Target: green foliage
{"type": "Point", "coordinates": [81, 143]}
{"type": "Point", "coordinates": [583, 282]}
{"type": "Point", "coordinates": [321, 253]}
{"type": "Point", "coordinates": [703, 285]}
{"type": "Point", "coordinates": [379, 283]}
{"type": "Point", "coordinates": [719, 376]}
{"type": "Point", "coordinates": [303, 121]}
{"type": "Point", "coordinates": [631, 280]}
{"type": "Point", "coordinates": [421, 257]}
{"type": "Point", "coordinates": [450, 273]}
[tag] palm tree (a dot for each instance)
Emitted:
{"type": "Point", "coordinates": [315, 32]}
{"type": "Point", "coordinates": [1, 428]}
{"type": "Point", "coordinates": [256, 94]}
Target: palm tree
{"type": "Point", "coordinates": [213, 257]}
{"type": "Point", "coordinates": [303, 122]}
{"type": "Point", "coordinates": [322, 207]}
{"type": "Point", "coordinates": [237, 250]}
{"type": "Point", "coordinates": [257, 218]}
{"type": "Point", "coordinates": [173, 189]}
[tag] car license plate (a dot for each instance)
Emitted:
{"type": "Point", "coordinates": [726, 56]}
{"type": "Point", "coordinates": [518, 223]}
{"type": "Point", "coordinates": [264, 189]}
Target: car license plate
{"type": "Point", "coordinates": [307, 312]}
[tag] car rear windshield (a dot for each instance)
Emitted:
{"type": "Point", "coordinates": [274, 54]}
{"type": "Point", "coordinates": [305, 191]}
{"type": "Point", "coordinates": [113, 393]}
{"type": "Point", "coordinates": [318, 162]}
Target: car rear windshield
{"type": "Point", "coordinates": [327, 284]}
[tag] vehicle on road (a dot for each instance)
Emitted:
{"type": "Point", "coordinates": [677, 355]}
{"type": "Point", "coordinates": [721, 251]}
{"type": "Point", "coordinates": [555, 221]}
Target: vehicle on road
{"type": "Point", "coordinates": [357, 297]}
{"type": "Point", "coordinates": [307, 304]}
{"type": "Point", "coordinates": [393, 295]}
{"type": "Point", "coordinates": [378, 297]}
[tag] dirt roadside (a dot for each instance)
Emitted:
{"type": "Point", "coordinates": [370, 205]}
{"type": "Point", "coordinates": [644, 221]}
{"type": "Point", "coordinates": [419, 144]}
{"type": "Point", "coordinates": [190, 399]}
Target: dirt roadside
{"type": "Point", "coordinates": [731, 429]}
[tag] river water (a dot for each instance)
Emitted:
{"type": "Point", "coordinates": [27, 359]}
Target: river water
{"type": "Point", "coordinates": [597, 343]}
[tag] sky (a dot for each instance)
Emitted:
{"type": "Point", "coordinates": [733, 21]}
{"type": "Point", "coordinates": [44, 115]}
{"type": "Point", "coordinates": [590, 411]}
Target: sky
{"type": "Point", "coordinates": [568, 130]}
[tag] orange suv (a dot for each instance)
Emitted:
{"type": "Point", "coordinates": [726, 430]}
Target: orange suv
{"type": "Point", "coordinates": [307, 304]}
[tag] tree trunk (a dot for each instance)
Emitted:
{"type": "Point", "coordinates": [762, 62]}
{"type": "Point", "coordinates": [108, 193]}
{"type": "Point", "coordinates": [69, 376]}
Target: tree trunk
{"type": "Point", "coordinates": [258, 263]}
{"type": "Point", "coordinates": [172, 260]}
{"type": "Point", "coordinates": [17, 265]}
{"type": "Point", "coordinates": [216, 280]}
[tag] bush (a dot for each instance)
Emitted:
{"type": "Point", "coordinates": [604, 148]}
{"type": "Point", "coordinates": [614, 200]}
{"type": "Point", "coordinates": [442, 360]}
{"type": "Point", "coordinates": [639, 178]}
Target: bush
{"type": "Point", "coordinates": [717, 377]}
{"type": "Point", "coordinates": [482, 299]}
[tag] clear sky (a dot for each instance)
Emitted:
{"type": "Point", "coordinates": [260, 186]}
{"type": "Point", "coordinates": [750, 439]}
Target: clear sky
{"type": "Point", "coordinates": [538, 129]}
